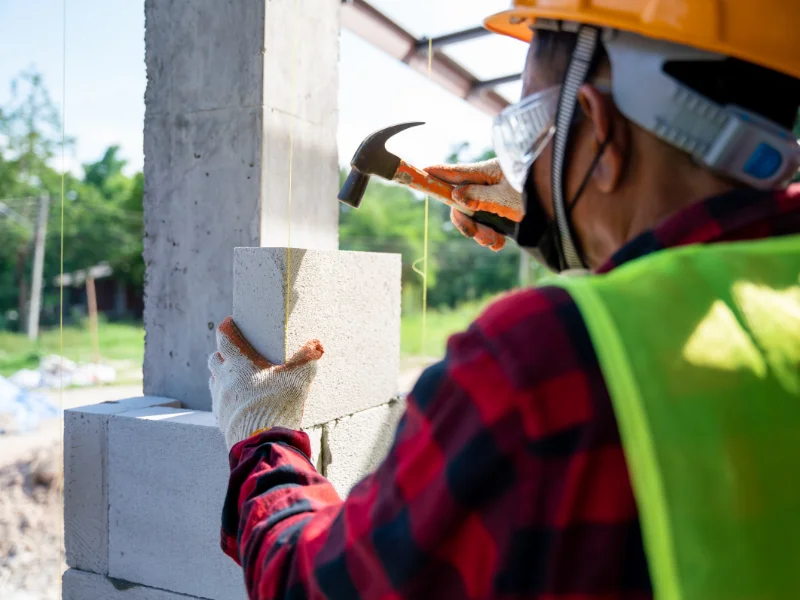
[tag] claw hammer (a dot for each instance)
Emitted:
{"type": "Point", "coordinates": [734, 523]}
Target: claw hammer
{"type": "Point", "coordinates": [372, 158]}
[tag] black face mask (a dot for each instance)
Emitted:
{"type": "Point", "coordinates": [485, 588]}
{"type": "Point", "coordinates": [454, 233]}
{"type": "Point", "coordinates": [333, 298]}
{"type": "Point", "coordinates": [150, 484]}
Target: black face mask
{"type": "Point", "coordinates": [537, 233]}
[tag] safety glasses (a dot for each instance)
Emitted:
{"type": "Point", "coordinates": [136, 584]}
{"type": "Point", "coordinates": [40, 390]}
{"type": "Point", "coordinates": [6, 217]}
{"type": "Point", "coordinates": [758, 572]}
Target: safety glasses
{"type": "Point", "coordinates": [522, 131]}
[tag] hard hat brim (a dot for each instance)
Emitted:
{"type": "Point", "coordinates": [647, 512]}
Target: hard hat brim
{"type": "Point", "coordinates": [701, 31]}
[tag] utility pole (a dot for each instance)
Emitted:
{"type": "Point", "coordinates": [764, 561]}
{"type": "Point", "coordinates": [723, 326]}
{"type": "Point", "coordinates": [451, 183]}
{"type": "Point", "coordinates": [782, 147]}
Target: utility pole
{"type": "Point", "coordinates": [40, 236]}
{"type": "Point", "coordinates": [22, 255]}
{"type": "Point", "coordinates": [91, 304]}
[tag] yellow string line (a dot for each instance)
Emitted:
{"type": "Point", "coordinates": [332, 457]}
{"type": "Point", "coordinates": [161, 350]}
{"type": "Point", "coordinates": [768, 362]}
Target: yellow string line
{"type": "Point", "coordinates": [61, 289]}
{"type": "Point", "coordinates": [287, 289]}
{"type": "Point", "coordinates": [424, 260]}
{"type": "Point", "coordinates": [425, 279]}
{"type": "Point", "coordinates": [425, 234]}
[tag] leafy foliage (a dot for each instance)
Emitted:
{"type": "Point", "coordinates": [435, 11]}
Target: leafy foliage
{"type": "Point", "coordinates": [104, 219]}
{"type": "Point", "coordinates": [103, 209]}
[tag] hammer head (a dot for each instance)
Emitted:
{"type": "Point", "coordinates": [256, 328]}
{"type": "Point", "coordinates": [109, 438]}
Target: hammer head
{"type": "Point", "coordinates": [371, 158]}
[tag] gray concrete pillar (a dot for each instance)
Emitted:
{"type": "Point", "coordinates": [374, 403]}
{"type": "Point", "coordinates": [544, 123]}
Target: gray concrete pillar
{"type": "Point", "coordinates": [233, 89]}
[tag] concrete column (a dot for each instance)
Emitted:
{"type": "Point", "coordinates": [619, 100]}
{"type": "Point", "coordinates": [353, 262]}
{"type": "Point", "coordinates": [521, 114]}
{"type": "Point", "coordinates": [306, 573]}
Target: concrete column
{"type": "Point", "coordinates": [233, 89]}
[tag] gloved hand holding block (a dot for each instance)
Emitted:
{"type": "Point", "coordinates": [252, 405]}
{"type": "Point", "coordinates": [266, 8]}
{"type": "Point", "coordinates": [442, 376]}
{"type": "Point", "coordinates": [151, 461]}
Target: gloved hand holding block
{"type": "Point", "coordinates": [349, 301]}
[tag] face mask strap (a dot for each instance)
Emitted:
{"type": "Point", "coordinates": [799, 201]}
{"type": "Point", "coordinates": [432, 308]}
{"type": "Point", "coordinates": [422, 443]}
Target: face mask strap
{"type": "Point", "coordinates": [580, 66]}
{"type": "Point", "coordinates": [600, 151]}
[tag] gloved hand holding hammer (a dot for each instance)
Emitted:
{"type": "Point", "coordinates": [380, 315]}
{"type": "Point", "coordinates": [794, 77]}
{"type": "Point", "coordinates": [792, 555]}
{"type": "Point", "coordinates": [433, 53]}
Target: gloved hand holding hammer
{"type": "Point", "coordinates": [484, 204]}
{"type": "Point", "coordinates": [481, 187]}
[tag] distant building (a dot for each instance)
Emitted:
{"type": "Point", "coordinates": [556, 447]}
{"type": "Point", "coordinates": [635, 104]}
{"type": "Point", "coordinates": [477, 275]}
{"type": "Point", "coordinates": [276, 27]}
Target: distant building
{"type": "Point", "coordinates": [115, 298]}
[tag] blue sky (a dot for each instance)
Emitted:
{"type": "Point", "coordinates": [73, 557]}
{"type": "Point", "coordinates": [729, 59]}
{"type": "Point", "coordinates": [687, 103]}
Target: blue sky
{"type": "Point", "coordinates": [105, 74]}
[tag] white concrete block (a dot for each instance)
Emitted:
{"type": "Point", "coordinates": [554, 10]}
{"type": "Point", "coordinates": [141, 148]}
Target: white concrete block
{"type": "Point", "coordinates": [357, 444]}
{"type": "Point", "coordinates": [168, 474]}
{"type": "Point", "coordinates": [218, 123]}
{"type": "Point", "coordinates": [80, 585]}
{"type": "Point", "coordinates": [86, 480]}
{"type": "Point", "coordinates": [350, 301]}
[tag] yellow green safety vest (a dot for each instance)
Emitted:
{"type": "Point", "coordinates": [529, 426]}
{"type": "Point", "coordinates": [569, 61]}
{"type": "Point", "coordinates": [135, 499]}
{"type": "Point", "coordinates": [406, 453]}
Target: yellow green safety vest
{"type": "Point", "coordinates": [700, 349]}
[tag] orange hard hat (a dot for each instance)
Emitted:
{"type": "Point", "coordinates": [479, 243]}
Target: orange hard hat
{"type": "Point", "coordinates": [763, 32]}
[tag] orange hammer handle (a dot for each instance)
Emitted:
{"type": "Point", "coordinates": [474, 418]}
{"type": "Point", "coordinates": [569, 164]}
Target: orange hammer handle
{"type": "Point", "coordinates": [421, 181]}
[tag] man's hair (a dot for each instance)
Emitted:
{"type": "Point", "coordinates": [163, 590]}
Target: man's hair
{"type": "Point", "coordinates": [772, 95]}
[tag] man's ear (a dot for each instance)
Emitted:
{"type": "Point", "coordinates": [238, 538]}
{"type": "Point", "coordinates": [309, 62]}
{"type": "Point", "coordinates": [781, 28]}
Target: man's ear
{"type": "Point", "coordinates": [609, 130]}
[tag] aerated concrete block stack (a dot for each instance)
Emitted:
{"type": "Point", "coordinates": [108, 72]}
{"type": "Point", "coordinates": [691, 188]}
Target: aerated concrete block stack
{"type": "Point", "coordinates": [147, 478]}
{"type": "Point", "coordinates": [350, 301]}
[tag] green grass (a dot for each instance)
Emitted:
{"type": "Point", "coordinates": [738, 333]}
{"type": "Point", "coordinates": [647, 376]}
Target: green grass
{"type": "Point", "coordinates": [441, 324]}
{"type": "Point", "coordinates": [119, 342]}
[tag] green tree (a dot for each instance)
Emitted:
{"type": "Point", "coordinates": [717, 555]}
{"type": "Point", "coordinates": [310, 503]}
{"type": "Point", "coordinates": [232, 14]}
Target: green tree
{"type": "Point", "coordinates": [103, 209]}
{"type": "Point", "coordinates": [109, 209]}
{"type": "Point", "coordinates": [30, 137]}
{"type": "Point", "coordinates": [469, 270]}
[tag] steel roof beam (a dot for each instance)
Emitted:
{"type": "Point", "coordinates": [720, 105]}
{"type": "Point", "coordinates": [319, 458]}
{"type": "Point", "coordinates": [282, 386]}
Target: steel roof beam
{"type": "Point", "coordinates": [492, 83]}
{"type": "Point", "coordinates": [453, 38]}
{"type": "Point", "coordinates": [379, 30]}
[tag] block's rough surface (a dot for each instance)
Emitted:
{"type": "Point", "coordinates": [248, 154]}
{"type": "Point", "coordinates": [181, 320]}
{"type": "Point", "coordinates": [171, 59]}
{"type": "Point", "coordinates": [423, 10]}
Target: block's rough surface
{"type": "Point", "coordinates": [218, 123]}
{"type": "Point", "coordinates": [80, 585]}
{"type": "Point", "coordinates": [350, 301]}
{"type": "Point", "coordinates": [168, 474]}
{"type": "Point", "coordinates": [357, 444]}
{"type": "Point", "coordinates": [86, 480]}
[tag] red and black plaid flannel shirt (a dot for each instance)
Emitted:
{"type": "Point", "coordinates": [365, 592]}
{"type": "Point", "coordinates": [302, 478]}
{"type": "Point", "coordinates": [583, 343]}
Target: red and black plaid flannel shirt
{"type": "Point", "coordinates": [506, 478]}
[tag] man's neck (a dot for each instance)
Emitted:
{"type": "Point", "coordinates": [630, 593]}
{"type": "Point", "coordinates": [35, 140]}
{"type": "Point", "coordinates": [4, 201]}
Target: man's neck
{"type": "Point", "coordinates": [661, 198]}
{"type": "Point", "coordinates": [658, 207]}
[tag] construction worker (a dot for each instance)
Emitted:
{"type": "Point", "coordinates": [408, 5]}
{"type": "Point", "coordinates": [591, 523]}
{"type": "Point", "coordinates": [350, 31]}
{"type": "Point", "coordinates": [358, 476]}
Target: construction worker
{"type": "Point", "coordinates": [625, 434]}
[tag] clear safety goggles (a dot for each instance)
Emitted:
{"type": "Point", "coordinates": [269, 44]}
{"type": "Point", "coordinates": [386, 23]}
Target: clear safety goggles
{"type": "Point", "coordinates": [522, 131]}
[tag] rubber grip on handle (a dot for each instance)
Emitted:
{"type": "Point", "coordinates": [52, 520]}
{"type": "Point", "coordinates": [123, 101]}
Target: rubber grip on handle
{"type": "Point", "coordinates": [501, 225]}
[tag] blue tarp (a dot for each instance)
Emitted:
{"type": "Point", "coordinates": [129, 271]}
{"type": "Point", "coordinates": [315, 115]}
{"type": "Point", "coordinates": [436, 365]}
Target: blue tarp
{"type": "Point", "coordinates": [22, 410]}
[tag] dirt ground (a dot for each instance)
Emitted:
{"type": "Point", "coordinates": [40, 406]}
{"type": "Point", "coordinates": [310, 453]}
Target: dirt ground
{"type": "Point", "coordinates": [30, 517]}
{"type": "Point", "coordinates": [31, 508]}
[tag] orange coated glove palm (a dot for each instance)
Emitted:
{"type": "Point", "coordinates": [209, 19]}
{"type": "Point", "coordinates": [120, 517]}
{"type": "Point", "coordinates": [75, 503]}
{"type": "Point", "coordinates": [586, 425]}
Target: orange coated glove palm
{"type": "Point", "coordinates": [481, 187]}
{"type": "Point", "coordinates": [249, 393]}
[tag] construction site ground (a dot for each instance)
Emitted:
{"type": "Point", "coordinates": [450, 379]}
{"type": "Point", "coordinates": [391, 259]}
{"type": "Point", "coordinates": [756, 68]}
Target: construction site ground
{"type": "Point", "coordinates": [31, 513]}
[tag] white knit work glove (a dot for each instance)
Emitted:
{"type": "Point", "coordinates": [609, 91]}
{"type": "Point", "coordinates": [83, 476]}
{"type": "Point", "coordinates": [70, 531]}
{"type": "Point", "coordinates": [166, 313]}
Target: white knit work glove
{"type": "Point", "coordinates": [249, 394]}
{"type": "Point", "coordinates": [481, 187]}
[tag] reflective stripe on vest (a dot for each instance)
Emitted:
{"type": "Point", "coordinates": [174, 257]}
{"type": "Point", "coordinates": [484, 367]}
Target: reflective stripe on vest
{"type": "Point", "coordinates": [700, 349]}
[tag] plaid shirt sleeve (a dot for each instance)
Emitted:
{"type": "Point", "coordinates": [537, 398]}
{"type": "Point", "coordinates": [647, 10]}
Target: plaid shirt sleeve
{"type": "Point", "coordinates": [506, 479]}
